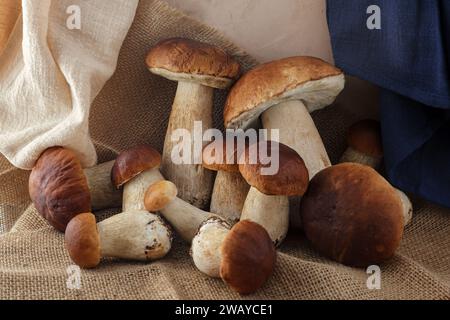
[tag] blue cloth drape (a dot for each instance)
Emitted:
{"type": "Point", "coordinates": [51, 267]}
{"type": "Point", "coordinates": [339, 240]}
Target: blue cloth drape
{"type": "Point", "coordinates": [409, 59]}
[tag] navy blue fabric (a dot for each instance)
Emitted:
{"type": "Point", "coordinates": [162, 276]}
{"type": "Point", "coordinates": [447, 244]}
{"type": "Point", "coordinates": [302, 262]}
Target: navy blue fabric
{"type": "Point", "coordinates": [409, 59]}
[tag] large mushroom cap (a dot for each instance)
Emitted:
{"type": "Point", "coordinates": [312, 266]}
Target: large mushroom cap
{"type": "Point", "coordinates": [132, 162]}
{"type": "Point", "coordinates": [181, 59]}
{"type": "Point", "coordinates": [308, 79]}
{"type": "Point", "coordinates": [58, 187]}
{"type": "Point", "coordinates": [82, 240]}
{"type": "Point", "coordinates": [291, 178]}
{"type": "Point", "coordinates": [222, 155]}
{"type": "Point", "coordinates": [365, 136]}
{"type": "Point", "coordinates": [351, 214]}
{"type": "Point", "coordinates": [248, 257]}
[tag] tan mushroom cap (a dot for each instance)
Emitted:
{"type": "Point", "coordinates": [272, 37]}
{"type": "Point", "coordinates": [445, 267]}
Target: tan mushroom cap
{"type": "Point", "coordinates": [365, 136]}
{"type": "Point", "coordinates": [132, 162]}
{"type": "Point", "coordinates": [58, 187]}
{"type": "Point", "coordinates": [309, 79]}
{"type": "Point", "coordinates": [159, 194]}
{"type": "Point", "coordinates": [352, 215]}
{"type": "Point", "coordinates": [291, 179]}
{"type": "Point", "coordinates": [83, 241]}
{"type": "Point", "coordinates": [221, 155]}
{"type": "Point", "coordinates": [181, 59]}
{"type": "Point", "coordinates": [248, 257]}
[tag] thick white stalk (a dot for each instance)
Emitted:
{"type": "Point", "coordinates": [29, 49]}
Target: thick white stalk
{"type": "Point", "coordinates": [134, 190]}
{"type": "Point", "coordinates": [193, 102]}
{"type": "Point", "coordinates": [298, 131]}
{"type": "Point", "coordinates": [271, 212]}
{"type": "Point", "coordinates": [136, 235]}
{"type": "Point", "coordinates": [228, 197]}
{"type": "Point", "coordinates": [103, 193]}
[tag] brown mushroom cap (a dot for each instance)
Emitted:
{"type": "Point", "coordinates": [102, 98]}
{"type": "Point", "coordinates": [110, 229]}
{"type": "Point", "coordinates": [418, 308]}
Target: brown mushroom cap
{"type": "Point", "coordinates": [58, 187]}
{"type": "Point", "coordinates": [223, 160]}
{"type": "Point", "coordinates": [159, 194]}
{"type": "Point", "coordinates": [132, 162]}
{"type": "Point", "coordinates": [82, 240]}
{"type": "Point", "coordinates": [292, 178]}
{"type": "Point", "coordinates": [309, 79]}
{"type": "Point", "coordinates": [365, 136]}
{"type": "Point", "coordinates": [351, 214]}
{"type": "Point", "coordinates": [248, 257]}
{"type": "Point", "coordinates": [176, 58]}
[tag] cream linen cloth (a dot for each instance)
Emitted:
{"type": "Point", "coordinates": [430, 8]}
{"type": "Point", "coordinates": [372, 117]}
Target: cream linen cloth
{"type": "Point", "coordinates": [50, 74]}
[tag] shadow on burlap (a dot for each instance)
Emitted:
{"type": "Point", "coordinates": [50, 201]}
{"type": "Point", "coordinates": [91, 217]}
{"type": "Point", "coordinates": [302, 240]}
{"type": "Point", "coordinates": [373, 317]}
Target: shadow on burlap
{"type": "Point", "coordinates": [133, 108]}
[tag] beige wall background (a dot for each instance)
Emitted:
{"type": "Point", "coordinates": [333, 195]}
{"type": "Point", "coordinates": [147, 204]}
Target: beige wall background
{"type": "Point", "coordinates": [273, 29]}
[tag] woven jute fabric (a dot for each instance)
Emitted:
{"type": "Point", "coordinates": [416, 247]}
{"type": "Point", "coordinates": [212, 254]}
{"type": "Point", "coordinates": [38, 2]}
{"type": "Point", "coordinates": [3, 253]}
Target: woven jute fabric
{"type": "Point", "coordinates": [133, 108]}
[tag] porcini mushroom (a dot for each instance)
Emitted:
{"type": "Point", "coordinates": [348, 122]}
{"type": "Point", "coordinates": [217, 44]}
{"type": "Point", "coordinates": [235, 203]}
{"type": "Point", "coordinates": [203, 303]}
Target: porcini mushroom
{"type": "Point", "coordinates": [58, 187]}
{"type": "Point", "coordinates": [230, 188]}
{"type": "Point", "coordinates": [135, 169]}
{"type": "Point", "coordinates": [352, 215]}
{"type": "Point", "coordinates": [365, 146]}
{"type": "Point", "coordinates": [182, 216]}
{"type": "Point", "coordinates": [267, 200]}
{"type": "Point", "coordinates": [284, 92]}
{"type": "Point", "coordinates": [137, 235]}
{"type": "Point", "coordinates": [199, 68]}
{"type": "Point", "coordinates": [244, 257]}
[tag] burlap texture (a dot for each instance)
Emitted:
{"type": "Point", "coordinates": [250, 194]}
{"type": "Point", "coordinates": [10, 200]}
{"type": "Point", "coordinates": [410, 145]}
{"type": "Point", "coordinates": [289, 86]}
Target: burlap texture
{"type": "Point", "coordinates": [134, 108]}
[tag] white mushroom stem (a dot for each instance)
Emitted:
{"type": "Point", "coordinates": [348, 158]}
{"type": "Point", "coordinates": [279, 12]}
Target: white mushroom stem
{"type": "Point", "coordinates": [228, 197]}
{"type": "Point", "coordinates": [193, 102]}
{"type": "Point", "coordinates": [136, 235]}
{"type": "Point", "coordinates": [206, 246]}
{"type": "Point", "coordinates": [134, 190]}
{"type": "Point", "coordinates": [352, 155]}
{"type": "Point", "coordinates": [271, 212]}
{"type": "Point", "coordinates": [182, 216]}
{"type": "Point", "coordinates": [298, 131]}
{"type": "Point", "coordinates": [103, 193]}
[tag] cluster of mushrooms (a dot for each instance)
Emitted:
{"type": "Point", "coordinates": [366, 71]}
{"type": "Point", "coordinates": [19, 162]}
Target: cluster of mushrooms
{"type": "Point", "coordinates": [234, 222]}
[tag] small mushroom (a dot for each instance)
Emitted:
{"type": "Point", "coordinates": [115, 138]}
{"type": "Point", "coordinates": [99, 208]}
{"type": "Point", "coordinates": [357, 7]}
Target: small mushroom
{"type": "Point", "coordinates": [244, 257]}
{"type": "Point", "coordinates": [182, 216]}
{"type": "Point", "coordinates": [198, 68]}
{"type": "Point", "coordinates": [103, 193]}
{"type": "Point", "coordinates": [230, 188]}
{"type": "Point", "coordinates": [135, 169]}
{"type": "Point", "coordinates": [365, 146]}
{"type": "Point", "coordinates": [135, 235]}
{"type": "Point", "coordinates": [58, 187]}
{"type": "Point", "coordinates": [352, 215]}
{"type": "Point", "coordinates": [267, 201]}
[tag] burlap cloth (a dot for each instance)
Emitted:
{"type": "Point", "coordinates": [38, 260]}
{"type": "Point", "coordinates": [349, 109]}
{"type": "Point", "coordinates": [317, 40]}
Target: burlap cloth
{"type": "Point", "coordinates": [133, 108]}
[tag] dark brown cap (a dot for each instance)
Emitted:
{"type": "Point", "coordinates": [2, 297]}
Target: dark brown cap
{"type": "Point", "coordinates": [82, 240]}
{"type": "Point", "coordinates": [292, 177]}
{"type": "Point", "coordinates": [184, 59]}
{"type": "Point", "coordinates": [58, 187]}
{"type": "Point", "coordinates": [309, 79]}
{"type": "Point", "coordinates": [248, 257]}
{"type": "Point", "coordinates": [351, 214]}
{"type": "Point", "coordinates": [217, 157]}
{"type": "Point", "coordinates": [365, 136]}
{"type": "Point", "coordinates": [132, 162]}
